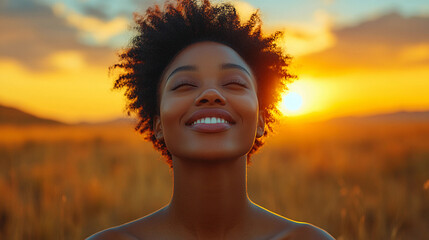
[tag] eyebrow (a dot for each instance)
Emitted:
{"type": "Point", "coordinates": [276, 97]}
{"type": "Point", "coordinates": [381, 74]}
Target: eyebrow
{"type": "Point", "coordinates": [223, 67]}
{"type": "Point", "coordinates": [183, 68]}
{"type": "Point", "coordinates": [236, 66]}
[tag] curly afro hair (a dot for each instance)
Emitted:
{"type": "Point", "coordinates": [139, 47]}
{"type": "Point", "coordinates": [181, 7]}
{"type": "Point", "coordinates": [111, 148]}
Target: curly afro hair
{"type": "Point", "coordinates": [161, 35]}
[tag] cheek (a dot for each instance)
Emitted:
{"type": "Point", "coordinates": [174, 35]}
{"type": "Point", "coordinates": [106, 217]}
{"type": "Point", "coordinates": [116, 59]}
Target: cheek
{"type": "Point", "coordinates": [172, 111]}
{"type": "Point", "coordinates": [247, 107]}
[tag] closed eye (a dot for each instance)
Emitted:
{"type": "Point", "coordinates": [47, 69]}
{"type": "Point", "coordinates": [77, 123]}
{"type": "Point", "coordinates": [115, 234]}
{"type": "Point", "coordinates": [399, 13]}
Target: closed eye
{"type": "Point", "coordinates": [236, 83]}
{"type": "Point", "coordinates": [183, 84]}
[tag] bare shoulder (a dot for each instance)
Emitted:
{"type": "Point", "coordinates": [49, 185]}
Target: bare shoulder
{"type": "Point", "coordinates": [287, 229]}
{"type": "Point", "coordinates": [112, 234]}
{"type": "Point", "coordinates": [144, 228]}
{"type": "Point", "coordinates": [303, 231]}
{"type": "Point", "coordinates": [308, 231]}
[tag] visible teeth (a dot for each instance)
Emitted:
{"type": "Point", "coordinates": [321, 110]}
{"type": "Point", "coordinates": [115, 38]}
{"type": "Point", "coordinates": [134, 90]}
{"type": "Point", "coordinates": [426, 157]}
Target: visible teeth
{"type": "Point", "coordinates": [211, 120]}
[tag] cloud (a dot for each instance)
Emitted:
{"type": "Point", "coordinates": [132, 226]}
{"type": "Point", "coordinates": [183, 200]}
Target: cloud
{"type": "Point", "coordinates": [96, 30]}
{"type": "Point", "coordinates": [66, 60]}
{"type": "Point", "coordinates": [390, 41]}
{"type": "Point", "coordinates": [21, 6]}
{"type": "Point", "coordinates": [328, 2]}
{"type": "Point", "coordinates": [301, 38]}
{"type": "Point", "coordinates": [35, 35]}
{"type": "Point", "coordinates": [415, 53]}
{"type": "Point", "coordinates": [97, 11]}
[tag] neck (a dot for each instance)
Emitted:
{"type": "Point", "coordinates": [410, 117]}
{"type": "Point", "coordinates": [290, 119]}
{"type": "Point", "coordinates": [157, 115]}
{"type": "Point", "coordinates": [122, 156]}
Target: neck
{"type": "Point", "coordinates": [209, 198]}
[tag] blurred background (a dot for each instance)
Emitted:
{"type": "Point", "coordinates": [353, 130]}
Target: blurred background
{"type": "Point", "coordinates": [350, 153]}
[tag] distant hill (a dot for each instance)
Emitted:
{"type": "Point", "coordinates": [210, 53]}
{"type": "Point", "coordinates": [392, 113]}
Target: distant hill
{"type": "Point", "coordinates": [395, 117]}
{"type": "Point", "coordinates": [13, 116]}
{"type": "Point", "coordinates": [9, 115]}
{"type": "Point", "coordinates": [117, 121]}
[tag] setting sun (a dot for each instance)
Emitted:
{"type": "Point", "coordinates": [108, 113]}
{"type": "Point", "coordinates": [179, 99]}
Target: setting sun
{"type": "Point", "coordinates": [291, 102]}
{"type": "Point", "coordinates": [294, 101]}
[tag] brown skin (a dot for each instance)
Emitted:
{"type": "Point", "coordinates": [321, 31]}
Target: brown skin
{"type": "Point", "coordinates": [210, 195]}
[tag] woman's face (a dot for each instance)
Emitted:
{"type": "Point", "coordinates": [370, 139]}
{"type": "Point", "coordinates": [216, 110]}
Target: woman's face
{"type": "Point", "coordinates": [208, 104]}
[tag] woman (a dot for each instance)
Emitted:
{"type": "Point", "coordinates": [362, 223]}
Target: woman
{"type": "Point", "coordinates": [205, 87]}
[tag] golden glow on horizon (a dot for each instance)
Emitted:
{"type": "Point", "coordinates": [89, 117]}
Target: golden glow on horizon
{"type": "Point", "coordinates": [76, 90]}
{"type": "Point", "coordinates": [81, 93]}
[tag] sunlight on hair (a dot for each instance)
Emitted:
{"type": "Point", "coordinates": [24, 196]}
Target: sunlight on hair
{"type": "Point", "coordinates": [244, 9]}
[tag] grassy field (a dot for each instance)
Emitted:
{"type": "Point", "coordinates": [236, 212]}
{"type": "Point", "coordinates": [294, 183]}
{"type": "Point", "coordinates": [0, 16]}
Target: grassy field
{"type": "Point", "coordinates": [366, 181]}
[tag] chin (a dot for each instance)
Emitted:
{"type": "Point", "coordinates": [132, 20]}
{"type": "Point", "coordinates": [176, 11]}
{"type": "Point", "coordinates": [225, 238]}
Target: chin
{"type": "Point", "coordinates": [213, 155]}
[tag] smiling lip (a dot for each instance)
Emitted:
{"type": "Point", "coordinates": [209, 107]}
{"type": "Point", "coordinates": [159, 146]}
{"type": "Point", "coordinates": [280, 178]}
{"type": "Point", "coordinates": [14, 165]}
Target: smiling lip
{"type": "Point", "coordinates": [211, 127]}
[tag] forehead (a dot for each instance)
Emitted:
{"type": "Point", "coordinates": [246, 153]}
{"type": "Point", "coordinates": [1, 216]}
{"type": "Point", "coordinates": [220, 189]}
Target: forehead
{"type": "Point", "coordinates": [207, 57]}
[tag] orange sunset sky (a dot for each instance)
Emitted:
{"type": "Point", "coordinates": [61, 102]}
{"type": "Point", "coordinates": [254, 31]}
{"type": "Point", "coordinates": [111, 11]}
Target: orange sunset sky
{"type": "Point", "coordinates": [352, 57]}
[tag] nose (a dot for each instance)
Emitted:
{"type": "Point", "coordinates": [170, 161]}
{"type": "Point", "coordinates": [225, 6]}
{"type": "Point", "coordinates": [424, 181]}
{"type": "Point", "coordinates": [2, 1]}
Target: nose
{"type": "Point", "coordinates": [210, 97]}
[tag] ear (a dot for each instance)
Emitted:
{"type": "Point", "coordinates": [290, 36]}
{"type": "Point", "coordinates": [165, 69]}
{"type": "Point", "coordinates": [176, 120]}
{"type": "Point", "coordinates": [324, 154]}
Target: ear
{"type": "Point", "coordinates": [261, 125]}
{"type": "Point", "coordinates": [157, 128]}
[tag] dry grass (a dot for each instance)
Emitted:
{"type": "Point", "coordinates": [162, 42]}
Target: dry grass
{"type": "Point", "coordinates": [357, 182]}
